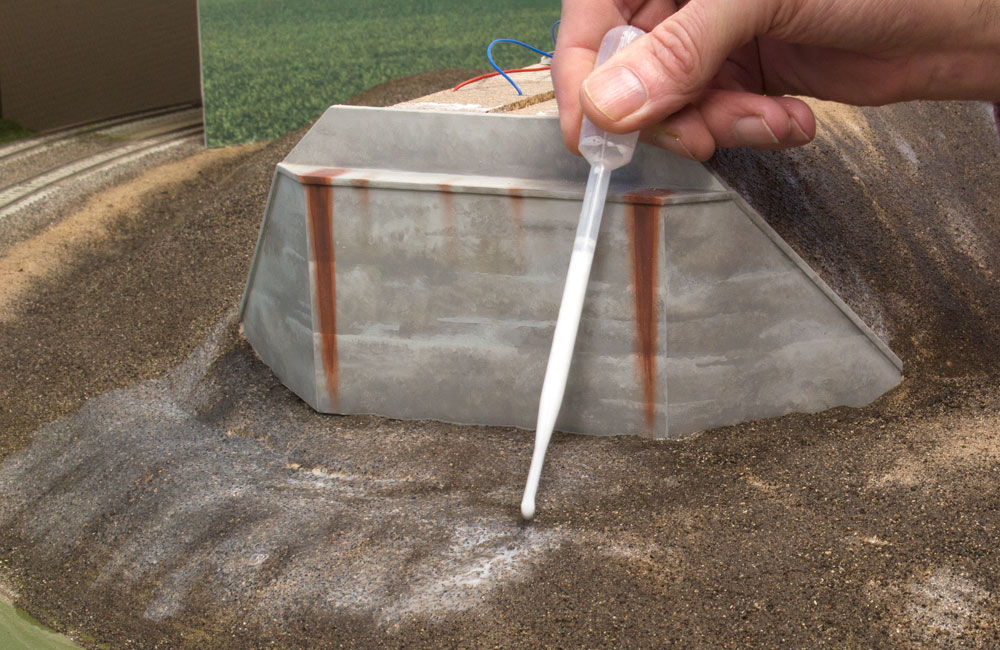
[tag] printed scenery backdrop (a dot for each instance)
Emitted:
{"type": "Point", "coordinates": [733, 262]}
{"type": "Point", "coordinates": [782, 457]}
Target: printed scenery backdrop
{"type": "Point", "coordinates": [271, 66]}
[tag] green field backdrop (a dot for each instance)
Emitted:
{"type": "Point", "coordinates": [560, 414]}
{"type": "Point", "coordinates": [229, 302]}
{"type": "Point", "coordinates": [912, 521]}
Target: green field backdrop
{"type": "Point", "coordinates": [271, 66]}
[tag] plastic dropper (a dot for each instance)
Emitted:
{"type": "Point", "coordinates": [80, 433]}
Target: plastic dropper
{"type": "Point", "coordinates": [605, 152]}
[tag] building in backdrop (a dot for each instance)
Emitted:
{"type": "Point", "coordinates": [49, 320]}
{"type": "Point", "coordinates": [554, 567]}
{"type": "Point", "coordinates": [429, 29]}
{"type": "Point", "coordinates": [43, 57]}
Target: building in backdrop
{"type": "Point", "coordinates": [66, 62]}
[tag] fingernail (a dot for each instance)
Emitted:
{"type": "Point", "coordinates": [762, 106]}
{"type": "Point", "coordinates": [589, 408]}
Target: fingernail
{"type": "Point", "coordinates": [673, 143]}
{"type": "Point", "coordinates": [754, 131]}
{"type": "Point", "coordinates": [797, 132]}
{"type": "Point", "coordinates": [616, 92]}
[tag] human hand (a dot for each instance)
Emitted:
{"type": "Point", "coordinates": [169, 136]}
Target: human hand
{"type": "Point", "coordinates": [714, 73]}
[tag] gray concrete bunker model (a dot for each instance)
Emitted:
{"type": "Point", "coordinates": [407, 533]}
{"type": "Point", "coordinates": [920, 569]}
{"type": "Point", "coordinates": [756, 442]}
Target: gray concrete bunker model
{"type": "Point", "coordinates": [411, 263]}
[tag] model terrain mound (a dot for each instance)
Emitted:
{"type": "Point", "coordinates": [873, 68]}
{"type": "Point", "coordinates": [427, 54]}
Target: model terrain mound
{"type": "Point", "coordinates": [160, 488]}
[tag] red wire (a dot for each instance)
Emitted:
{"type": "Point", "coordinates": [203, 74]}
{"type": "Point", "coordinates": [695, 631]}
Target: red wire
{"type": "Point", "coordinates": [497, 74]}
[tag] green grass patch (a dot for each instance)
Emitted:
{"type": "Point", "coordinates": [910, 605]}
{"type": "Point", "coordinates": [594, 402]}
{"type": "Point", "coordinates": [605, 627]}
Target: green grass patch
{"type": "Point", "coordinates": [10, 131]}
{"type": "Point", "coordinates": [271, 66]}
{"type": "Point", "coordinates": [19, 631]}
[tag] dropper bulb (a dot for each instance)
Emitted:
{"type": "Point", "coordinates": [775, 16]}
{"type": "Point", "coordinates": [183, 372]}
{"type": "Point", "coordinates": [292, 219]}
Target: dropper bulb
{"type": "Point", "coordinates": [612, 150]}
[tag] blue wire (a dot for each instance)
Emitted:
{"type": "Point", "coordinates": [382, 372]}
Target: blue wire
{"type": "Point", "coordinates": [489, 55]}
{"type": "Point", "coordinates": [553, 31]}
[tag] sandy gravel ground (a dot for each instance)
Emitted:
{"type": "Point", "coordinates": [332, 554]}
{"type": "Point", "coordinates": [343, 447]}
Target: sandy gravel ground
{"type": "Point", "coordinates": [160, 488]}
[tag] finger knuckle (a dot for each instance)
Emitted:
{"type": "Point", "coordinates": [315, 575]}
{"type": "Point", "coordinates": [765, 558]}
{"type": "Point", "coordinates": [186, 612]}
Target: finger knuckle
{"type": "Point", "coordinates": [676, 50]}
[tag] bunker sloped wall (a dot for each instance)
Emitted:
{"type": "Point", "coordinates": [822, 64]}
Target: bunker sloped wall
{"type": "Point", "coordinates": [749, 333]}
{"type": "Point", "coordinates": [431, 292]}
{"type": "Point", "coordinates": [280, 312]}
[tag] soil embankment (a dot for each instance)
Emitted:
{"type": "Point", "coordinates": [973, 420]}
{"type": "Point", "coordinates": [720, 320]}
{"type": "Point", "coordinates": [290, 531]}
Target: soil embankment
{"type": "Point", "coordinates": [160, 487]}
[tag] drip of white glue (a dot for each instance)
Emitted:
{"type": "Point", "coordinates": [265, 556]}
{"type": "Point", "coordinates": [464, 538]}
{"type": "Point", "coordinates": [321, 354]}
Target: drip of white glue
{"type": "Point", "coordinates": [605, 152]}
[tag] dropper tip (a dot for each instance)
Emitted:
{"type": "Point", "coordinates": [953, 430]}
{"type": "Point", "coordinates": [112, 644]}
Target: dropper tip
{"type": "Point", "coordinates": [527, 510]}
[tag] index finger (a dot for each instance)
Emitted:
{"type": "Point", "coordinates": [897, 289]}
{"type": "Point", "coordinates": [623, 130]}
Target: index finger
{"type": "Point", "coordinates": [581, 28]}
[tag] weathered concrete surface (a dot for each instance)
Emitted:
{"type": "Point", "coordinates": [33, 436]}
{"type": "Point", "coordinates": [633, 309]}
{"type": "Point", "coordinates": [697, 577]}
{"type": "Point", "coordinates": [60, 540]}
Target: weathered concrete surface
{"type": "Point", "coordinates": [853, 528]}
{"type": "Point", "coordinates": [425, 285]}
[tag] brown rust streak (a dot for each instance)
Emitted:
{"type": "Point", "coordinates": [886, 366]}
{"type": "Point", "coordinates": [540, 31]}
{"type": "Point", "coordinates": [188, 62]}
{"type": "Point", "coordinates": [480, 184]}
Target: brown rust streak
{"type": "Point", "coordinates": [321, 176]}
{"type": "Point", "coordinates": [450, 227]}
{"type": "Point", "coordinates": [643, 224]}
{"type": "Point", "coordinates": [319, 205]}
{"type": "Point", "coordinates": [650, 196]}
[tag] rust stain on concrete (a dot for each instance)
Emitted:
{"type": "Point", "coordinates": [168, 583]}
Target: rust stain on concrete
{"type": "Point", "coordinates": [321, 176]}
{"type": "Point", "coordinates": [650, 196]}
{"type": "Point", "coordinates": [319, 207]}
{"type": "Point", "coordinates": [642, 220]}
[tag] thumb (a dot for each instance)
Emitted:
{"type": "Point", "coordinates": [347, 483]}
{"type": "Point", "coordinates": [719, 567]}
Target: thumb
{"type": "Point", "coordinates": [666, 69]}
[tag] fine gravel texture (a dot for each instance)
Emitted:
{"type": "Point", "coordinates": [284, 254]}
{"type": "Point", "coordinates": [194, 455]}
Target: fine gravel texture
{"type": "Point", "coordinates": [160, 488]}
{"type": "Point", "coordinates": [899, 211]}
{"type": "Point", "coordinates": [28, 218]}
